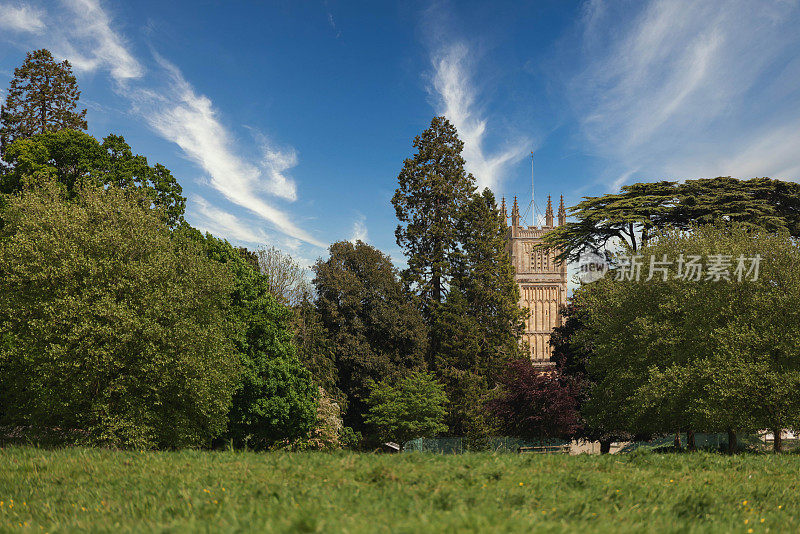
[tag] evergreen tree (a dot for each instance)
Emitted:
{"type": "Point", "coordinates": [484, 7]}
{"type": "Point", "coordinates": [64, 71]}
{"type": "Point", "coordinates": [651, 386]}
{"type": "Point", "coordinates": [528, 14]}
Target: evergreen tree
{"type": "Point", "coordinates": [476, 331]}
{"type": "Point", "coordinates": [315, 349]}
{"type": "Point", "coordinates": [433, 190]}
{"type": "Point", "coordinates": [458, 264]}
{"type": "Point", "coordinates": [43, 97]}
{"type": "Point", "coordinates": [639, 211]}
{"type": "Point", "coordinates": [485, 275]}
{"type": "Point", "coordinates": [375, 326]}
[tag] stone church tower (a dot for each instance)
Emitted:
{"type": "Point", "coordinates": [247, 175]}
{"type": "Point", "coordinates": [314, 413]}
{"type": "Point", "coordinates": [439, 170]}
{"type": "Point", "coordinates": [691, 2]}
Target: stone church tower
{"type": "Point", "coordinates": [542, 281]}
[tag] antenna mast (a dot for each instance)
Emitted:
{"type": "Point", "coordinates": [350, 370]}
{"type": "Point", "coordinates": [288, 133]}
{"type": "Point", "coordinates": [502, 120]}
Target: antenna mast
{"type": "Point", "coordinates": [533, 196]}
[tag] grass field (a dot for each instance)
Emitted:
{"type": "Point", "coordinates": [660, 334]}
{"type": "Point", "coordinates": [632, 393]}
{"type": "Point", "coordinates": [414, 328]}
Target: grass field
{"type": "Point", "coordinates": [195, 491]}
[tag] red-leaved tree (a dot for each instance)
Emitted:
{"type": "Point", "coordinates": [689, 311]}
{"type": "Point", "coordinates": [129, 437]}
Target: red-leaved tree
{"type": "Point", "coordinates": [537, 405]}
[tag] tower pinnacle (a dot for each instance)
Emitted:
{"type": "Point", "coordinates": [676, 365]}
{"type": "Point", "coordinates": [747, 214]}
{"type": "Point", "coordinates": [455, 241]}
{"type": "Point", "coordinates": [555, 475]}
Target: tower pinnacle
{"type": "Point", "coordinates": [515, 213]}
{"type": "Point", "coordinates": [548, 215]}
{"type": "Point", "coordinates": [562, 213]}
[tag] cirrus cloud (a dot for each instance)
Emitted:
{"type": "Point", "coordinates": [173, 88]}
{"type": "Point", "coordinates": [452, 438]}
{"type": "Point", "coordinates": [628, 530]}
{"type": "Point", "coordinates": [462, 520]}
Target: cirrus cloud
{"type": "Point", "coordinates": [21, 18]}
{"type": "Point", "coordinates": [457, 99]}
{"type": "Point", "coordinates": [680, 89]}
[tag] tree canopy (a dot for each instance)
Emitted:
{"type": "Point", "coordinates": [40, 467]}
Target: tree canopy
{"type": "Point", "coordinates": [411, 407]}
{"type": "Point", "coordinates": [534, 405]}
{"type": "Point", "coordinates": [275, 398]}
{"type": "Point", "coordinates": [458, 265]}
{"type": "Point", "coordinates": [287, 280]}
{"type": "Point", "coordinates": [433, 189]}
{"type": "Point", "coordinates": [672, 354]}
{"type": "Point", "coordinates": [74, 159]}
{"type": "Point", "coordinates": [475, 332]}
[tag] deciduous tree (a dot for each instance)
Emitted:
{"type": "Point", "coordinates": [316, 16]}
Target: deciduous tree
{"type": "Point", "coordinates": [571, 359]}
{"type": "Point", "coordinates": [287, 280]}
{"type": "Point", "coordinates": [374, 324]}
{"type": "Point", "coordinates": [114, 328]}
{"type": "Point", "coordinates": [712, 355]}
{"type": "Point", "coordinates": [74, 159]}
{"type": "Point", "coordinates": [536, 405]}
{"type": "Point", "coordinates": [275, 398]}
{"type": "Point", "coordinates": [410, 407]}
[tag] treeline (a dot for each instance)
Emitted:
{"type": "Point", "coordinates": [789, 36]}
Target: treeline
{"type": "Point", "coordinates": [121, 325]}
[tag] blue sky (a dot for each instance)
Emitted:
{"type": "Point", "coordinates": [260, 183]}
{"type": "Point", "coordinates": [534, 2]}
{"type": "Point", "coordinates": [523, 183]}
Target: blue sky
{"type": "Point", "coordinates": [287, 123]}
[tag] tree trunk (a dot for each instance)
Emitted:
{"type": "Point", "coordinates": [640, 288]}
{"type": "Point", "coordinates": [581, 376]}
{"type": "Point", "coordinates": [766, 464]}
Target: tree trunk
{"type": "Point", "coordinates": [605, 446]}
{"type": "Point", "coordinates": [777, 443]}
{"type": "Point", "coordinates": [731, 441]}
{"type": "Point", "coordinates": [437, 289]}
{"type": "Point", "coordinates": [43, 103]}
{"type": "Point", "coordinates": [677, 442]}
{"type": "Point", "coordinates": [690, 444]}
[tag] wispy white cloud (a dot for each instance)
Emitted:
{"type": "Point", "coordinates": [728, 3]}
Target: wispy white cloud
{"type": "Point", "coordinates": [190, 120]}
{"type": "Point", "coordinates": [21, 18]}
{"type": "Point", "coordinates": [360, 230]}
{"type": "Point", "coordinates": [91, 43]}
{"type": "Point", "coordinates": [457, 99]}
{"type": "Point", "coordinates": [274, 164]}
{"type": "Point", "coordinates": [682, 89]}
{"type": "Point", "coordinates": [332, 21]}
{"type": "Point", "coordinates": [82, 31]}
{"type": "Point", "coordinates": [221, 223]}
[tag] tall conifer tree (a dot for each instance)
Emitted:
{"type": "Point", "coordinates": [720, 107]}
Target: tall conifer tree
{"type": "Point", "coordinates": [455, 240]}
{"type": "Point", "coordinates": [433, 190]}
{"type": "Point", "coordinates": [43, 97]}
{"type": "Point", "coordinates": [485, 275]}
{"type": "Point", "coordinates": [476, 331]}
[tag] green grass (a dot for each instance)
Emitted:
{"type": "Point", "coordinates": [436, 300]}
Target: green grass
{"type": "Point", "coordinates": [198, 491]}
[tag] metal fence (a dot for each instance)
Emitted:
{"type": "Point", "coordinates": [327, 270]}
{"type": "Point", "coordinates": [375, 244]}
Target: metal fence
{"type": "Point", "coordinates": [460, 445]}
